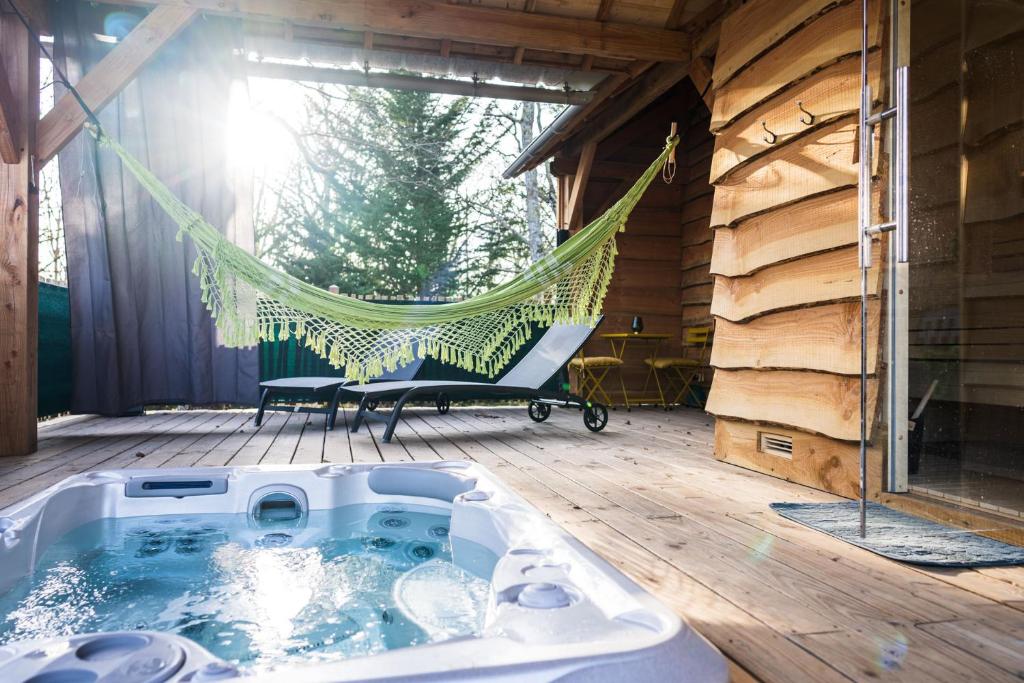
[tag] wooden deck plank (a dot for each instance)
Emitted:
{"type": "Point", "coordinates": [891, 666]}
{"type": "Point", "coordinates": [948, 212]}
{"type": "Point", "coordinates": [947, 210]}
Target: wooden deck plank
{"type": "Point", "coordinates": [256, 447]}
{"type": "Point", "coordinates": [185, 430]}
{"type": "Point", "coordinates": [337, 446]}
{"type": "Point", "coordinates": [282, 450]}
{"type": "Point", "coordinates": [310, 450]}
{"type": "Point", "coordinates": [364, 447]}
{"type": "Point", "coordinates": [784, 602]}
{"type": "Point", "coordinates": [212, 440]}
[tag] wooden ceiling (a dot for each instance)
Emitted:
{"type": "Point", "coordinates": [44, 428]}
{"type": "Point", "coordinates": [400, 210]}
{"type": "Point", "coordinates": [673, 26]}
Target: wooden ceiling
{"type": "Point", "coordinates": [576, 27]}
{"type": "Point", "coordinates": [636, 47]}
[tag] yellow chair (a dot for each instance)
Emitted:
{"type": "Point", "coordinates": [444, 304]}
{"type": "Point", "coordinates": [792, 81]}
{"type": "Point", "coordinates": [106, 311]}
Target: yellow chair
{"type": "Point", "coordinates": [590, 375]}
{"type": "Point", "coordinates": [682, 372]}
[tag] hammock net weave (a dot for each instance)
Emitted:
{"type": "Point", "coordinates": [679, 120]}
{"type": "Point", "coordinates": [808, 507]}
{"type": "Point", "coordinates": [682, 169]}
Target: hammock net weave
{"type": "Point", "coordinates": [251, 301]}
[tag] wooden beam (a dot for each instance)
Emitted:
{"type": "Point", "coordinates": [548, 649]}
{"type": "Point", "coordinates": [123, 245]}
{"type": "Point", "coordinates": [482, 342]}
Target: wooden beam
{"type": "Point", "coordinates": [450, 86]}
{"type": "Point", "coordinates": [384, 43]}
{"type": "Point", "coordinates": [517, 58]}
{"type": "Point", "coordinates": [462, 22]}
{"type": "Point", "coordinates": [648, 88]}
{"type": "Point", "coordinates": [675, 14]}
{"type": "Point", "coordinates": [109, 77]}
{"type": "Point", "coordinates": [623, 170]}
{"type": "Point", "coordinates": [9, 123]}
{"type": "Point", "coordinates": [19, 249]}
{"type": "Point", "coordinates": [574, 212]}
{"type": "Point", "coordinates": [700, 74]}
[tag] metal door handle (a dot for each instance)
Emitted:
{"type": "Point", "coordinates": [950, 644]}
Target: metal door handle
{"type": "Point", "coordinates": [902, 164]}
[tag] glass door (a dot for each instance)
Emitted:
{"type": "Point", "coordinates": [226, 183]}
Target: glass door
{"type": "Point", "coordinates": [956, 308]}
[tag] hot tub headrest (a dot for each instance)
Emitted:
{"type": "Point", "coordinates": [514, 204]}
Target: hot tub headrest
{"type": "Point", "coordinates": [421, 483]}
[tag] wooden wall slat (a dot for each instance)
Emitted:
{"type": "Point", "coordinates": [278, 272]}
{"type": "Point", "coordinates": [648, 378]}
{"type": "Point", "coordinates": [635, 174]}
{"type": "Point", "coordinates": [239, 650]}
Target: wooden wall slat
{"type": "Point", "coordinates": [649, 247]}
{"type": "Point", "coordinates": [810, 226]}
{"type": "Point", "coordinates": [811, 401]}
{"type": "Point", "coordinates": [697, 255]}
{"type": "Point", "coordinates": [696, 276]}
{"type": "Point", "coordinates": [755, 27]}
{"type": "Point", "coordinates": [817, 461]}
{"type": "Point", "coordinates": [826, 39]}
{"type": "Point", "coordinates": [823, 338]}
{"type": "Point", "coordinates": [819, 162]}
{"type": "Point", "coordinates": [697, 232]}
{"type": "Point", "coordinates": [697, 294]}
{"type": "Point", "coordinates": [697, 209]}
{"type": "Point", "coordinates": [832, 276]}
{"type": "Point", "coordinates": [694, 316]}
{"type": "Point", "coordinates": [830, 94]}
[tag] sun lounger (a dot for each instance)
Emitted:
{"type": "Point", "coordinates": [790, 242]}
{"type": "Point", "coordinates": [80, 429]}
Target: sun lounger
{"type": "Point", "coordinates": [298, 392]}
{"type": "Point", "coordinates": [525, 379]}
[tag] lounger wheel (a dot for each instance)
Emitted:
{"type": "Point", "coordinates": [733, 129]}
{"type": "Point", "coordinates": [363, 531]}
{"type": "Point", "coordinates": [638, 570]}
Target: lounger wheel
{"type": "Point", "coordinates": [443, 404]}
{"type": "Point", "coordinates": [538, 411]}
{"type": "Point", "coordinates": [595, 417]}
{"type": "Point", "coordinates": [372, 404]}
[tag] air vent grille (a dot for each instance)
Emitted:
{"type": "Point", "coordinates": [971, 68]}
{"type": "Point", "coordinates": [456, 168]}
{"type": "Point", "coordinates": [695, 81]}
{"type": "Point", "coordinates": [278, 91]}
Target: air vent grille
{"type": "Point", "coordinates": [776, 444]}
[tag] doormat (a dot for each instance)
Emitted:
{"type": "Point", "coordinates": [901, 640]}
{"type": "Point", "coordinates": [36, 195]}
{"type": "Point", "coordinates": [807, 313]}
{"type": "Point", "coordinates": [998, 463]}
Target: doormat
{"type": "Point", "coordinates": [903, 537]}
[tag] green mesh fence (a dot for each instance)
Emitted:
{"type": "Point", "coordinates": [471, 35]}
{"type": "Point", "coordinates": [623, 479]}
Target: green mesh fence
{"type": "Point", "coordinates": [54, 350]}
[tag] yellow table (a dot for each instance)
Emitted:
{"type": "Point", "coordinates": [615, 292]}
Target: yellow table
{"type": "Point", "coordinates": [619, 342]}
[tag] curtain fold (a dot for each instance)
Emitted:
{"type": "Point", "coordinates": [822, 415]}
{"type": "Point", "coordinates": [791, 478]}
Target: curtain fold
{"type": "Point", "coordinates": [140, 333]}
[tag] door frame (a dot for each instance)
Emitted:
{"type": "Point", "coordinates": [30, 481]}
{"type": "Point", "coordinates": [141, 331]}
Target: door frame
{"type": "Point", "coordinates": [897, 340]}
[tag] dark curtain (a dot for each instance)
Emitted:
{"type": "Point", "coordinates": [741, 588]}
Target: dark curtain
{"type": "Point", "coordinates": [140, 334]}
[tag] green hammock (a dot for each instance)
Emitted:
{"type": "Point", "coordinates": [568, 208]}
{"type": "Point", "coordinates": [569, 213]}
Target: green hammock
{"type": "Point", "coordinates": [251, 301]}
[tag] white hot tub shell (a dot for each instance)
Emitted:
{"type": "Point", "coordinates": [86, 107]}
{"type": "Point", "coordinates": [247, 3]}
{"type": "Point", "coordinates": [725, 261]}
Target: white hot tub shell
{"type": "Point", "coordinates": [556, 610]}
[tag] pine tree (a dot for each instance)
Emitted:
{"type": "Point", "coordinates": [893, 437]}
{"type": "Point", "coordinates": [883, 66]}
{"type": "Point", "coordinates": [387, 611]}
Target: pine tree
{"type": "Point", "coordinates": [387, 201]}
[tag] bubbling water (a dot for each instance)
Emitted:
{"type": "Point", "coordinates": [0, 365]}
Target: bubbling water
{"type": "Point", "coordinates": [257, 597]}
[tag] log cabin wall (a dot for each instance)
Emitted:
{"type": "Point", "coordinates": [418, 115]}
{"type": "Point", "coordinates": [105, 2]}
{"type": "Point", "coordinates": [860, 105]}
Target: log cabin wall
{"type": "Point", "coordinates": [662, 269]}
{"type": "Point", "coordinates": [697, 237]}
{"type": "Point", "coordinates": [784, 261]}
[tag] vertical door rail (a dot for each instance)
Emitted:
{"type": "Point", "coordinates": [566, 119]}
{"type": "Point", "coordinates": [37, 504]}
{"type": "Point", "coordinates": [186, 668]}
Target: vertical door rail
{"type": "Point", "coordinates": [897, 223]}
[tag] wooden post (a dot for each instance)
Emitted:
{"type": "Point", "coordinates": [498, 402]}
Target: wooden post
{"type": "Point", "coordinates": [19, 245]}
{"type": "Point", "coordinates": [574, 210]}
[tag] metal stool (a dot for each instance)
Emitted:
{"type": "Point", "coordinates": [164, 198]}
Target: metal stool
{"type": "Point", "coordinates": [681, 372]}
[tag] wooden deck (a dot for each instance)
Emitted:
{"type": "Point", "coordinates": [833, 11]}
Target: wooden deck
{"type": "Point", "coordinates": [783, 602]}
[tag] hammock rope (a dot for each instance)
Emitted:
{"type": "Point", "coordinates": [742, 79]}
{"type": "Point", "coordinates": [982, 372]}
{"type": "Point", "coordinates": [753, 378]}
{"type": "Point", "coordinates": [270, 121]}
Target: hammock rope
{"type": "Point", "coordinates": [251, 301]}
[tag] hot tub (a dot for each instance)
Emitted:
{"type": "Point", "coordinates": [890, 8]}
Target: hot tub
{"type": "Point", "coordinates": [426, 572]}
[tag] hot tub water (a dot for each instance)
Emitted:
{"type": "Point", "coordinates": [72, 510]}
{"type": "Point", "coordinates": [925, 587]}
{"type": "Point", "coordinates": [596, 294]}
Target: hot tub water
{"type": "Point", "coordinates": [323, 589]}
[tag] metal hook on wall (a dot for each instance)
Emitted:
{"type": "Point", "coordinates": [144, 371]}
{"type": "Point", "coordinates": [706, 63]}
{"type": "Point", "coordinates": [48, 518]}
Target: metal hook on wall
{"type": "Point", "coordinates": [771, 137]}
{"type": "Point", "coordinates": [809, 121]}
